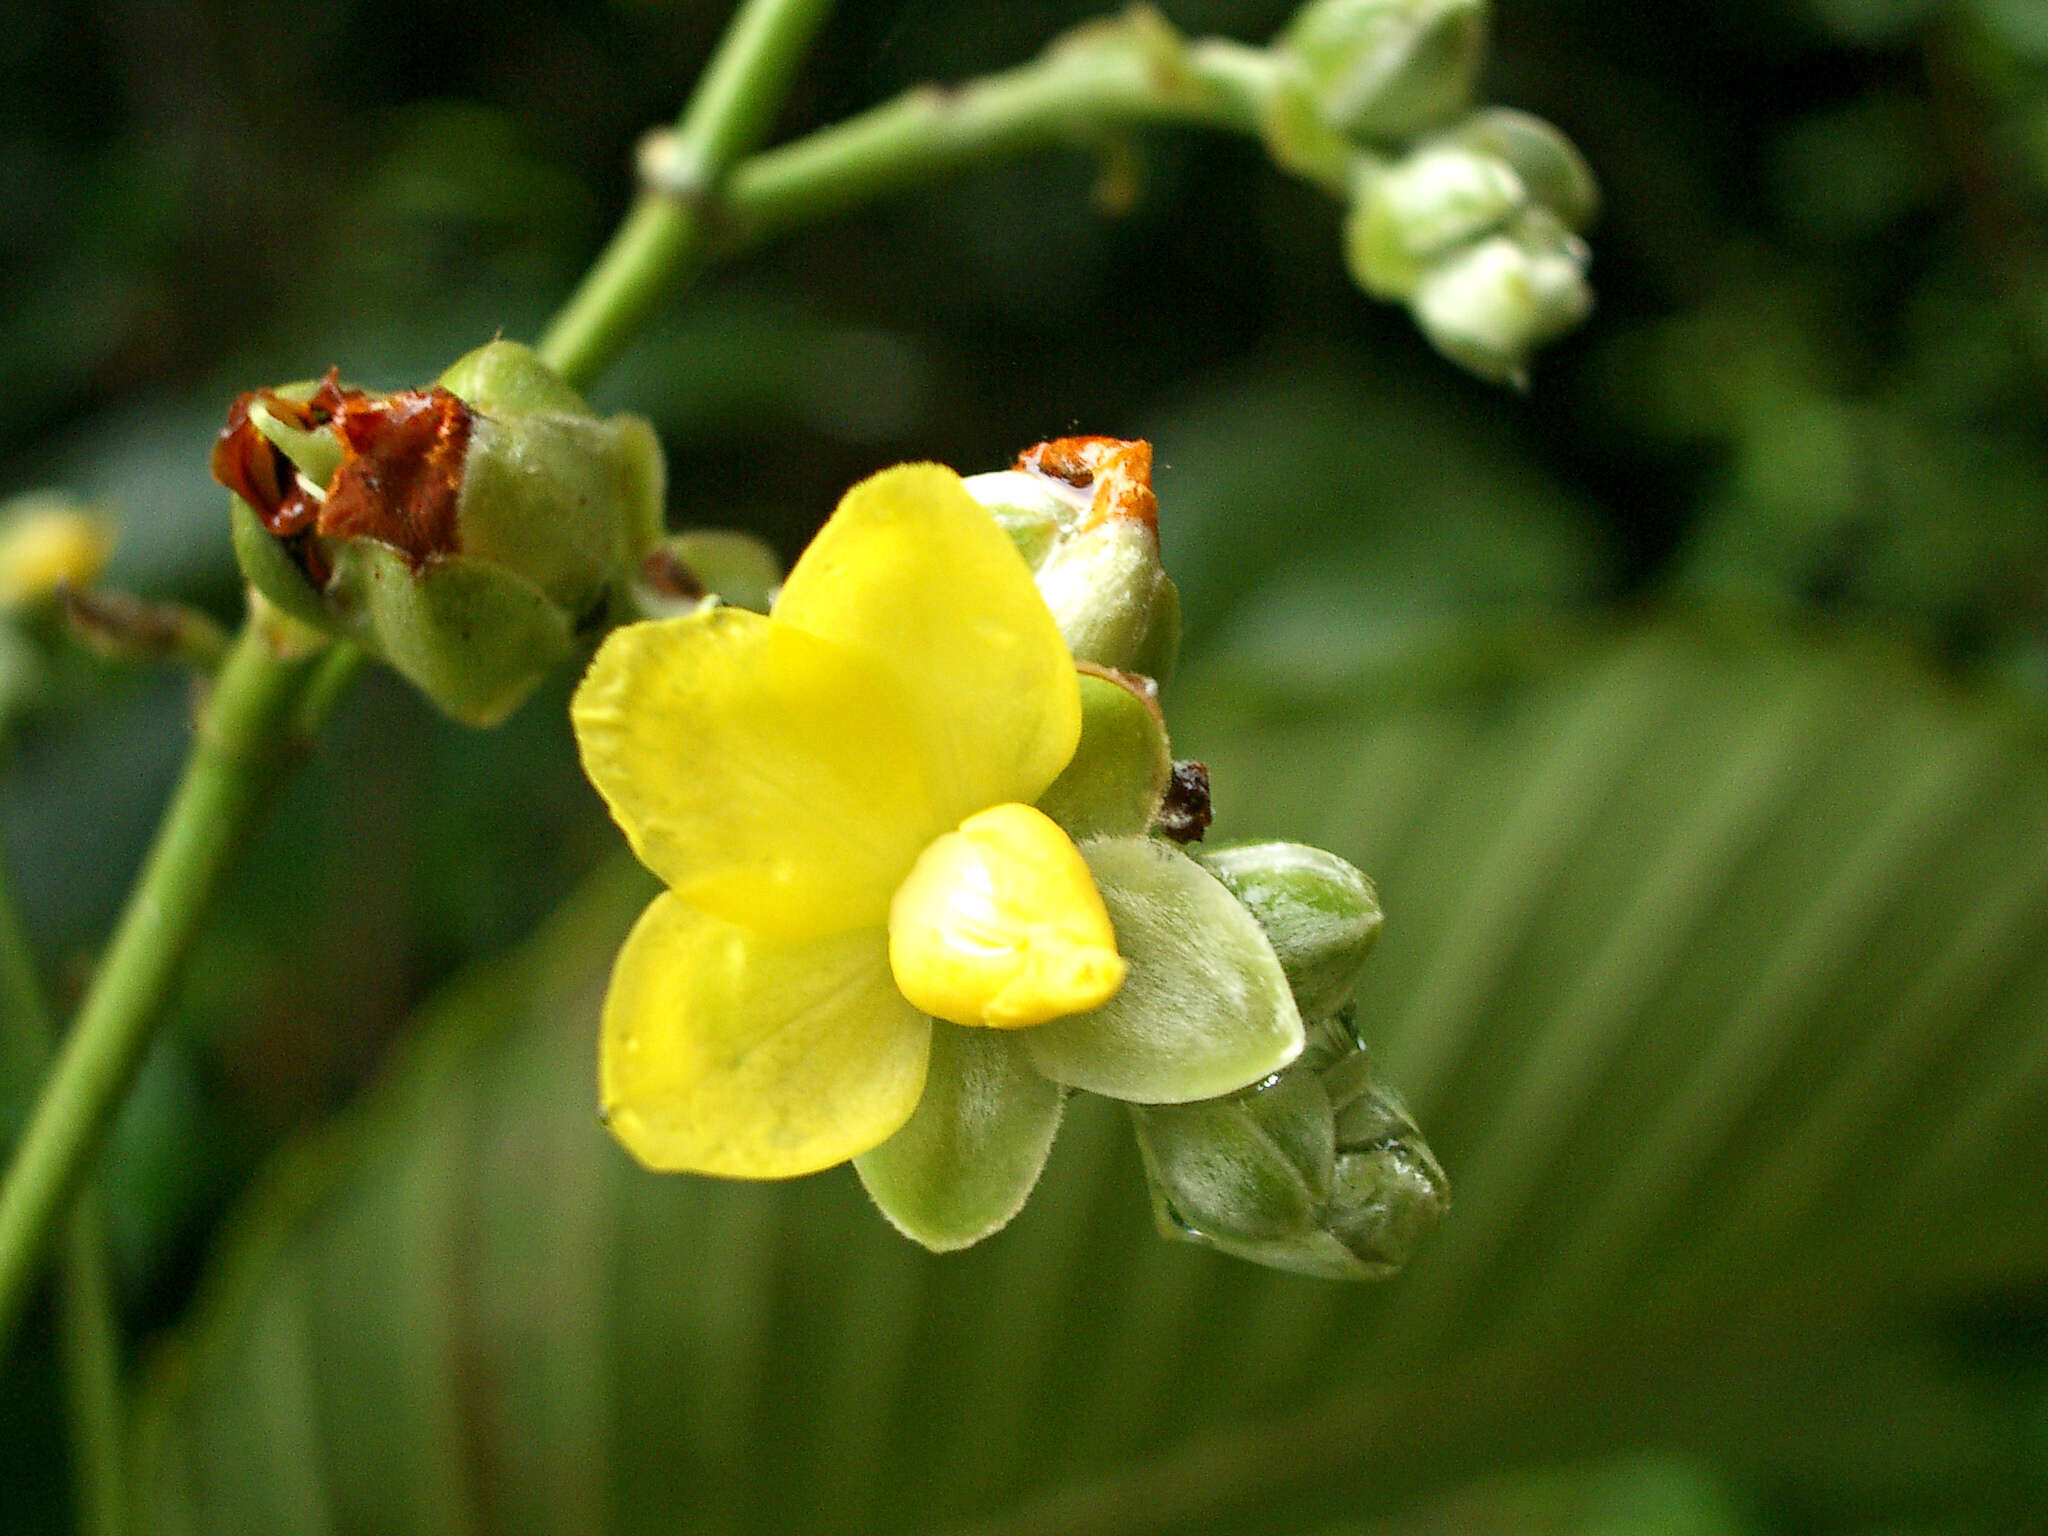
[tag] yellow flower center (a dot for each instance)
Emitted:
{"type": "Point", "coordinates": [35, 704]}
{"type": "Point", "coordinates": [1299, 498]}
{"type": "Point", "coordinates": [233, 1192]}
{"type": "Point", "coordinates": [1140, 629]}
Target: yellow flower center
{"type": "Point", "coordinates": [999, 923]}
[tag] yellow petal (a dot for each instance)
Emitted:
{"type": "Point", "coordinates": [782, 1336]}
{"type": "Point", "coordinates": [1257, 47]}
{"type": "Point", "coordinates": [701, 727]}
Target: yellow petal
{"type": "Point", "coordinates": [731, 1054]}
{"type": "Point", "coordinates": [766, 775]}
{"type": "Point", "coordinates": [1000, 924]}
{"type": "Point", "coordinates": [916, 575]}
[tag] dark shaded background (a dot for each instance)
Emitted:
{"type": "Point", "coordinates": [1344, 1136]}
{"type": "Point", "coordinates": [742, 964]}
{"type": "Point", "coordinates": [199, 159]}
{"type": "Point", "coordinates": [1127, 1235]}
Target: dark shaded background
{"type": "Point", "coordinates": [1813, 386]}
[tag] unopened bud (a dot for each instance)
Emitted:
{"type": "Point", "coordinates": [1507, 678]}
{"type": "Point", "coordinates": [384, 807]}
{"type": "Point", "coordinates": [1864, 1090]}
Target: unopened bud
{"type": "Point", "coordinates": [1550, 166]}
{"type": "Point", "coordinates": [469, 534]}
{"type": "Point", "coordinates": [1489, 306]}
{"type": "Point", "coordinates": [1318, 1169]}
{"type": "Point", "coordinates": [1388, 69]}
{"type": "Point", "coordinates": [1320, 914]}
{"type": "Point", "coordinates": [1407, 216]}
{"type": "Point", "coordinates": [1083, 514]}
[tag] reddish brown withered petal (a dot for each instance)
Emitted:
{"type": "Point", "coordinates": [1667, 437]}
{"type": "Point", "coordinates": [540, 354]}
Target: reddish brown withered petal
{"type": "Point", "coordinates": [401, 472]}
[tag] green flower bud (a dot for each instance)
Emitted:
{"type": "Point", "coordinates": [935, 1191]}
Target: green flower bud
{"type": "Point", "coordinates": [1319, 913]}
{"type": "Point", "coordinates": [1083, 515]}
{"type": "Point", "coordinates": [1489, 306]}
{"type": "Point", "coordinates": [1317, 1170]}
{"type": "Point", "coordinates": [1549, 164]}
{"type": "Point", "coordinates": [1410, 215]}
{"type": "Point", "coordinates": [1388, 69]}
{"type": "Point", "coordinates": [470, 534]}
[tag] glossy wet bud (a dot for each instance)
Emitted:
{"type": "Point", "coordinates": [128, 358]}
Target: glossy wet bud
{"type": "Point", "coordinates": [1319, 913]}
{"type": "Point", "coordinates": [999, 923]}
{"type": "Point", "coordinates": [1082, 513]}
{"type": "Point", "coordinates": [1317, 1169]}
{"type": "Point", "coordinates": [1388, 69]}
{"type": "Point", "coordinates": [472, 534]}
{"type": "Point", "coordinates": [1491, 305]}
{"type": "Point", "coordinates": [49, 542]}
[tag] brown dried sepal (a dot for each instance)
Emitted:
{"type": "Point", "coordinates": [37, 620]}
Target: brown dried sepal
{"type": "Point", "coordinates": [1186, 812]}
{"type": "Point", "coordinates": [399, 480]}
{"type": "Point", "coordinates": [1119, 469]}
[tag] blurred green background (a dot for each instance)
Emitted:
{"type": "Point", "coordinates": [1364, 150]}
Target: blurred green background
{"type": "Point", "coordinates": [1688, 711]}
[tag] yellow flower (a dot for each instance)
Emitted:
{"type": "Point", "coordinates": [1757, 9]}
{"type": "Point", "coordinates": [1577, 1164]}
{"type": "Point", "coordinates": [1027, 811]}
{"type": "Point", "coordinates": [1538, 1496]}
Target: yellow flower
{"type": "Point", "coordinates": [47, 542]}
{"type": "Point", "coordinates": [838, 798]}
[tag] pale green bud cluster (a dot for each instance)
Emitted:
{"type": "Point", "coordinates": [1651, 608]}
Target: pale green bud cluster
{"type": "Point", "coordinates": [1470, 218]}
{"type": "Point", "coordinates": [1317, 1169]}
{"type": "Point", "coordinates": [1476, 230]}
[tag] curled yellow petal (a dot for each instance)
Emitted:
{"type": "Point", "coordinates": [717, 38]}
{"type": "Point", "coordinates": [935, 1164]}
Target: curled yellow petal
{"type": "Point", "coordinates": [1000, 924]}
{"type": "Point", "coordinates": [916, 576]}
{"type": "Point", "coordinates": [730, 1054]}
{"type": "Point", "coordinates": [766, 775]}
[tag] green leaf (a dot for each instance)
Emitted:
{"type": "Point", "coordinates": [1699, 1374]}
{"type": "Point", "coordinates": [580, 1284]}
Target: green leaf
{"type": "Point", "coordinates": [1716, 971]}
{"type": "Point", "coordinates": [965, 1163]}
{"type": "Point", "coordinates": [1205, 1009]}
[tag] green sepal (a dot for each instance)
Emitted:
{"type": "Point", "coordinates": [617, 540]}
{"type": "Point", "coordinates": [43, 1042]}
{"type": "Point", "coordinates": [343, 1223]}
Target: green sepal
{"type": "Point", "coordinates": [1388, 69]}
{"type": "Point", "coordinates": [416, 621]}
{"type": "Point", "coordinates": [1319, 1170]}
{"type": "Point", "coordinates": [534, 493]}
{"type": "Point", "coordinates": [967, 1159]}
{"type": "Point", "coordinates": [1205, 1009]}
{"type": "Point", "coordinates": [1255, 1166]}
{"type": "Point", "coordinates": [570, 502]}
{"type": "Point", "coordinates": [1387, 1191]}
{"type": "Point", "coordinates": [1117, 778]}
{"type": "Point", "coordinates": [1320, 914]}
{"type": "Point", "coordinates": [268, 569]}
{"type": "Point", "coordinates": [1549, 164]}
{"type": "Point", "coordinates": [505, 378]}
{"type": "Point", "coordinates": [740, 570]}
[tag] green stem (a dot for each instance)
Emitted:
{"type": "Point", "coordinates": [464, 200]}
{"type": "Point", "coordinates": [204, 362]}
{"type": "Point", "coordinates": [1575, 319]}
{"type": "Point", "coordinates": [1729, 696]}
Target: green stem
{"type": "Point", "coordinates": [241, 740]}
{"type": "Point", "coordinates": [1099, 79]}
{"type": "Point", "coordinates": [88, 1332]}
{"type": "Point", "coordinates": [729, 113]}
{"type": "Point", "coordinates": [1105, 77]}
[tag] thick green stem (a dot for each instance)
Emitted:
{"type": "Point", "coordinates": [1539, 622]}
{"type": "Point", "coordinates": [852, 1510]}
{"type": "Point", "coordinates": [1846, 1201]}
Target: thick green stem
{"type": "Point", "coordinates": [664, 233]}
{"type": "Point", "coordinates": [242, 739]}
{"type": "Point", "coordinates": [88, 1330]}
